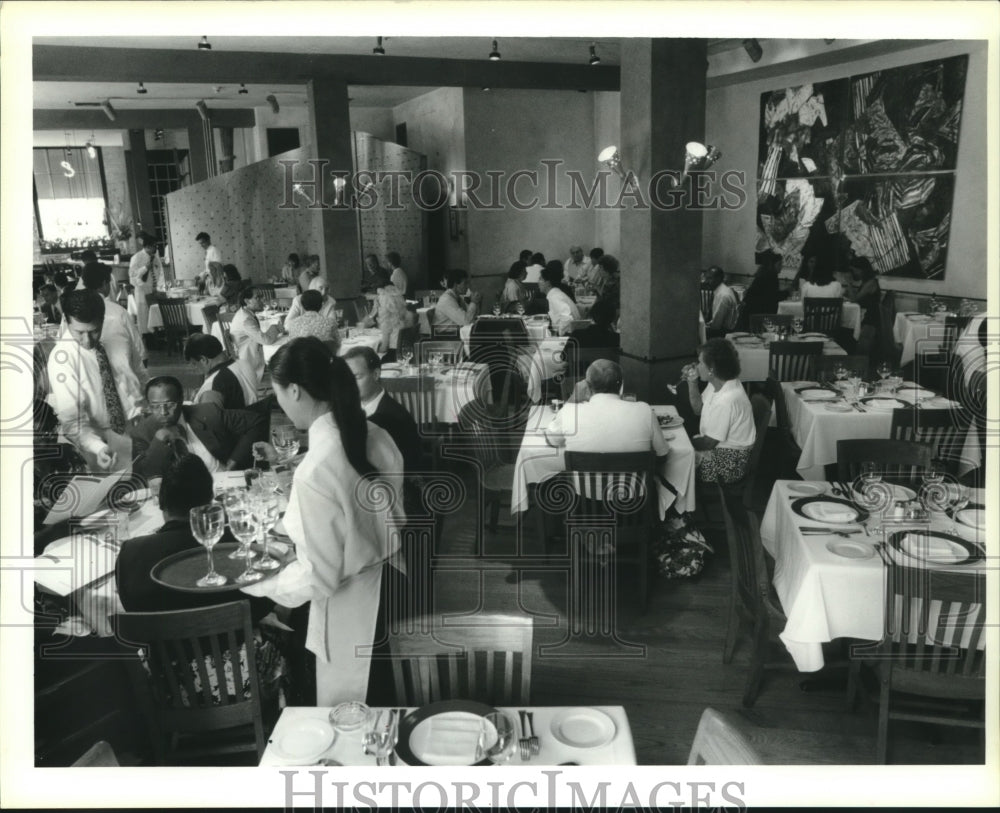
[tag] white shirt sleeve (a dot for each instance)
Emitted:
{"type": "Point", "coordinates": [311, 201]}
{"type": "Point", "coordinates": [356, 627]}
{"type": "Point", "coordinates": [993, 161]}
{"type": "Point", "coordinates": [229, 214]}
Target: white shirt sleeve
{"type": "Point", "coordinates": [73, 395]}
{"type": "Point", "coordinates": [660, 447]}
{"type": "Point", "coordinates": [449, 312]}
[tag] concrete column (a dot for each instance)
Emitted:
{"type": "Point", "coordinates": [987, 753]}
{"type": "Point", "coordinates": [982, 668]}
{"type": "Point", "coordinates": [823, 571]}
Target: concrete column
{"type": "Point", "coordinates": [142, 199]}
{"type": "Point", "coordinates": [662, 108]}
{"type": "Point", "coordinates": [330, 135]}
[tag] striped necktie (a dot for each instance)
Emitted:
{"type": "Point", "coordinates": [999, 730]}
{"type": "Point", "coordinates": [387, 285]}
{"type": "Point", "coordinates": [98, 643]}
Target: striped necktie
{"type": "Point", "coordinates": [116, 412]}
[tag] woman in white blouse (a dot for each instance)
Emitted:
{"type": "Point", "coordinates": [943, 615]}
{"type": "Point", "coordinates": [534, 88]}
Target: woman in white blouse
{"type": "Point", "coordinates": [562, 309]}
{"type": "Point", "coordinates": [389, 312]}
{"type": "Point", "coordinates": [726, 431]}
{"type": "Point", "coordinates": [328, 308]}
{"type": "Point", "coordinates": [821, 283]}
{"type": "Point", "coordinates": [342, 512]}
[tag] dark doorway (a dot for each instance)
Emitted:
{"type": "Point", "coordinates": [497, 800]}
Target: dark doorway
{"type": "Point", "coordinates": [282, 139]}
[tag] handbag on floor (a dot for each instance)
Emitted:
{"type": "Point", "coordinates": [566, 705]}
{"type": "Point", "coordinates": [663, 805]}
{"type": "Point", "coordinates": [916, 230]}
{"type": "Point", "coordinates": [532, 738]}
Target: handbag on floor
{"type": "Point", "coordinates": [681, 549]}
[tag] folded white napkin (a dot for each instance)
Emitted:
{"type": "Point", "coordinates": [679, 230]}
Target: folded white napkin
{"type": "Point", "coordinates": [930, 547]}
{"type": "Point", "coordinates": [449, 739]}
{"type": "Point", "coordinates": [831, 512]}
{"type": "Point", "coordinates": [882, 403]}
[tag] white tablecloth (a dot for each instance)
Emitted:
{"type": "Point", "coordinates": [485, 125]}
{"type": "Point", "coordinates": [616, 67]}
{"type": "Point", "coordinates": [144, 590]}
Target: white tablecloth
{"type": "Point", "coordinates": [537, 461]}
{"type": "Point", "coordinates": [754, 358]}
{"type": "Point", "coordinates": [913, 329]}
{"type": "Point", "coordinates": [346, 747]}
{"type": "Point", "coordinates": [816, 430]}
{"type": "Point", "coordinates": [850, 315]}
{"type": "Point", "coordinates": [824, 596]}
{"type": "Point", "coordinates": [194, 314]}
{"type": "Point", "coordinates": [453, 389]}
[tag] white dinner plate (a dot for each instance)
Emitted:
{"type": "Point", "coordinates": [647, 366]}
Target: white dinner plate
{"type": "Point", "coordinates": [920, 317]}
{"type": "Point", "coordinates": [583, 728]}
{"type": "Point", "coordinates": [817, 394]}
{"type": "Point", "coordinates": [451, 738]}
{"type": "Point", "coordinates": [391, 373]}
{"type": "Point", "coordinates": [937, 402]}
{"type": "Point", "coordinates": [899, 493]}
{"type": "Point", "coordinates": [936, 550]}
{"type": "Point", "coordinates": [748, 340]}
{"type": "Point", "coordinates": [812, 336]}
{"type": "Point", "coordinates": [851, 549]}
{"type": "Point", "coordinates": [972, 517]}
{"type": "Point", "coordinates": [832, 513]}
{"type": "Point", "coordinates": [304, 740]}
{"type": "Point", "coordinates": [807, 489]}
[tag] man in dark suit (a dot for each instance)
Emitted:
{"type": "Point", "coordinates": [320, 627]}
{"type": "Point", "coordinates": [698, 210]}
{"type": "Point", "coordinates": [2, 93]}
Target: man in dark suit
{"type": "Point", "coordinates": [222, 438]}
{"type": "Point", "coordinates": [382, 409]}
{"type": "Point", "coordinates": [50, 304]}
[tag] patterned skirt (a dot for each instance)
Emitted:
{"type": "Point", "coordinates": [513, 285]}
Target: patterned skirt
{"type": "Point", "coordinates": [720, 465]}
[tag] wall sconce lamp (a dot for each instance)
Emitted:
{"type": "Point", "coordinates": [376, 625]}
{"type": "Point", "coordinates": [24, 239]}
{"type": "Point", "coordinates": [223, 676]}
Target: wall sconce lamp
{"type": "Point", "coordinates": [378, 50]}
{"type": "Point", "coordinates": [610, 157]}
{"type": "Point", "coordinates": [594, 58]}
{"type": "Point", "coordinates": [202, 110]}
{"type": "Point", "coordinates": [273, 101]}
{"type": "Point", "coordinates": [338, 190]}
{"type": "Point", "coordinates": [204, 45]}
{"type": "Point", "coordinates": [753, 49]}
{"type": "Point", "coordinates": [494, 54]}
{"type": "Point", "coordinates": [109, 111]}
{"type": "Point", "coordinates": [698, 156]}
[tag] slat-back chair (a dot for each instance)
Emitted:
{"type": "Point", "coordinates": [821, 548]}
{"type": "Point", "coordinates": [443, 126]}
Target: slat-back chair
{"type": "Point", "coordinates": [719, 742]}
{"type": "Point", "coordinates": [793, 361]}
{"type": "Point", "coordinates": [176, 326]}
{"type": "Point", "coordinates": [265, 290]}
{"type": "Point", "coordinates": [791, 451]}
{"type": "Point", "coordinates": [707, 298]}
{"type": "Point", "coordinates": [899, 461]}
{"type": "Point", "coordinates": [489, 662]}
{"type": "Point", "coordinates": [826, 365]}
{"type": "Point", "coordinates": [944, 429]}
{"type": "Point", "coordinates": [450, 348]}
{"type": "Point", "coordinates": [226, 327]}
{"type": "Point", "coordinates": [822, 313]}
{"type": "Point", "coordinates": [441, 331]}
{"type": "Point", "coordinates": [500, 344]}
{"type": "Point", "coordinates": [933, 625]}
{"type": "Point", "coordinates": [483, 432]}
{"type": "Point", "coordinates": [752, 598]}
{"type": "Point", "coordinates": [416, 394]}
{"type": "Point", "coordinates": [188, 652]}
{"type": "Point", "coordinates": [762, 408]}
{"type": "Point", "coordinates": [783, 320]}
{"type": "Point", "coordinates": [620, 487]}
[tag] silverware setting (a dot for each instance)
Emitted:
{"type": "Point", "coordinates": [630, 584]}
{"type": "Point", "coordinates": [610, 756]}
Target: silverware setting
{"type": "Point", "coordinates": [528, 744]}
{"type": "Point", "coordinates": [830, 532]}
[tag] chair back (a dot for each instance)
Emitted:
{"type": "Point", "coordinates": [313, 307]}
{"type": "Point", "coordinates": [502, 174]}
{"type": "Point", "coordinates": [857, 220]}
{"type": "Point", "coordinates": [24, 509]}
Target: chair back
{"type": "Point", "coordinates": [944, 430]}
{"type": "Point", "coordinates": [416, 394]}
{"type": "Point", "coordinates": [359, 309]}
{"type": "Point", "coordinates": [226, 326]}
{"type": "Point", "coordinates": [441, 331]}
{"type": "Point", "coordinates": [199, 676]}
{"type": "Point", "coordinates": [747, 567]}
{"type": "Point", "coordinates": [265, 290]}
{"type": "Point", "coordinates": [425, 347]}
{"type": "Point", "coordinates": [826, 365]}
{"type": "Point", "coordinates": [707, 297]}
{"type": "Point", "coordinates": [210, 313]}
{"type": "Point", "coordinates": [618, 484]}
{"type": "Point", "coordinates": [501, 344]}
{"type": "Point", "coordinates": [762, 408]}
{"type": "Point", "coordinates": [793, 361]}
{"type": "Point", "coordinates": [821, 313]}
{"type": "Point", "coordinates": [774, 391]}
{"type": "Point", "coordinates": [155, 298]}
{"type": "Point", "coordinates": [899, 461]}
{"type": "Point", "coordinates": [488, 660]}
{"type": "Point", "coordinates": [934, 623]}
{"type": "Point", "coordinates": [887, 318]}
{"type": "Point", "coordinates": [407, 337]}
{"type": "Point", "coordinates": [757, 320]}
{"type": "Point", "coordinates": [175, 315]}
{"type": "Point", "coordinates": [718, 742]}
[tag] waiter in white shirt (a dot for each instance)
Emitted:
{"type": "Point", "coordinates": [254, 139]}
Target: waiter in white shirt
{"type": "Point", "coordinates": [94, 395]}
{"type": "Point", "coordinates": [145, 272]}
{"type": "Point", "coordinates": [119, 333]}
{"type": "Point", "coordinates": [212, 254]}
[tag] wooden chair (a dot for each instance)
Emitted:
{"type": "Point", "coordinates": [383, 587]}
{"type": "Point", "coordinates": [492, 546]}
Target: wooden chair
{"type": "Point", "coordinates": [719, 742]}
{"type": "Point", "coordinates": [619, 505]}
{"type": "Point", "coordinates": [752, 598]}
{"type": "Point", "coordinates": [790, 449]}
{"type": "Point", "coordinates": [441, 331]}
{"type": "Point", "coordinates": [822, 314]}
{"type": "Point", "coordinates": [825, 366]}
{"type": "Point", "coordinates": [187, 652]}
{"type": "Point", "coordinates": [707, 298]}
{"type": "Point", "coordinates": [265, 290]}
{"type": "Point", "coordinates": [416, 394]}
{"type": "Point", "coordinates": [500, 344]}
{"type": "Point", "coordinates": [211, 316]}
{"type": "Point", "coordinates": [900, 461]}
{"type": "Point", "coordinates": [484, 657]}
{"type": "Point", "coordinates": [944, 429]}
{"type": "Point", "coordinates": [483, 432]}
{"type": "Point", "coordinates": [357, 309]}
{"type": "Point", "coordinates": [450, 348]}
{"type": "Point", "coordinates": [99, 755]}
{"type": "Point", "coordinates": [929, 665]}
{"type": "Point", "coordinates": [176, 326]}
{"type": "Point", "coordinates": [226, 325]}
{"type": "Point", "coordinates": [793, 361]}
{"type": "Point", "coordinates": [783, 320]}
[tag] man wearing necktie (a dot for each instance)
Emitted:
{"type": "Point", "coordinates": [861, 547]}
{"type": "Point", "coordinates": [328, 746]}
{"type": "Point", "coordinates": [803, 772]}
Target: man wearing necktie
{"type": "Point", "coordinates": [145, 272]}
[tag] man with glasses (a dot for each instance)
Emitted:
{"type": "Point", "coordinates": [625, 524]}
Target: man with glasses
{"type": "Point", "coordinates": [222, 438]}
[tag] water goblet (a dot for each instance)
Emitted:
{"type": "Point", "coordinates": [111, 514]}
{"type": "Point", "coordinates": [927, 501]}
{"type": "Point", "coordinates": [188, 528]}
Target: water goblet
{"type": "Point", "coordinates": [251, 478]}
{"type": "Point", "coordinates": [265, 511]}
{"type": "Point", "coordinates": [841, 372]}
{"type": "Point", "coordinates": [797, 325]}
{"type": "Point", "coordinates": [407, 355]}
{"type": "Point", "coordinates": [884, 370]}
{"type": "Point", "coordinates": [232, 500]}
{"type": "Point", "coordinates": [496, 309]}
{"type": "Point", "coordinates": [285, 439]}
{"type": "Point", "coordinates": [207, 522]}
{"type": "Point", "coordinates": [958, 499]}
{"type": "Point", "coordinates": [874, 495]}
{"type": "Point", "coordinates": [339, 314]}
{"type": "Point", "coordinates": [243, 523]}
{"type": "Point", "coordinates": [497, 738]}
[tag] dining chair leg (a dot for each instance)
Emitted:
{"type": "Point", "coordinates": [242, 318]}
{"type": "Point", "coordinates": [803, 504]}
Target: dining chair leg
{"type": "Point", "coordinates": [494, 503]}
{"type": "Point", "coordinates": [643, 578]}
{"type": "Point", "coordinates": [882, 745]}
{"type": "Point", "coordinates": [853, 677]}
{"type": "Point", "coordinates": [756, 676]}
{"type": "Point", "coordinates": [734, 627]}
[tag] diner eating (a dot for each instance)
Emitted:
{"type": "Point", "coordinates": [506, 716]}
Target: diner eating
{"type": "Point", "coordinates": [349, 516]}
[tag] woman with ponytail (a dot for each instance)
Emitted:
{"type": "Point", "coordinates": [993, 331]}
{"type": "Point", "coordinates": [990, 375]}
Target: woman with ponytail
{"type": "Point", "coordinates": [342, 511]}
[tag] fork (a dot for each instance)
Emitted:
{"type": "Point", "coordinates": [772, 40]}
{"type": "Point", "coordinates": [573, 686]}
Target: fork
{"type": "Point", "coordinates": [524, 743]}
{"type": "Point", "coordinates": [533, 740]}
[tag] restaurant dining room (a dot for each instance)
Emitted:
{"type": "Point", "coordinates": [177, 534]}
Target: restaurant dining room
{"type": "Point", "coordinates": [492, 401]}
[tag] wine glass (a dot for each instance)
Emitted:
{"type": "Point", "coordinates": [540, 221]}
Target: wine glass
{"type": "Point", "coordinates": [768, 327]}
{"type": "Point", "coordinates": [407, 355]}
{"type": "Point", "coordinates": [884, 370]}
{"type": "Point", "coordinates": [496, 309]}
{"type": "Point", "coordinates": [797, 325]}
{"type": "Point", "coordinates": [285, 439]}
{"type": "Point", "coordinates": [207, 522]}
{"type": "Point", "coordinates": [233, 499]}
{"type": "Point", "coordinates": [841, 372]}
{"type": "Point", "coordinates": [381, 739]}
{"type": "Point", "coordinates": [265, 510]}
{"type": "Point", "coordinates": [520, 309]}
{"type": "Point", "coordinates": [871, 473]}
{"type": "Point", "coordinates": [243, 523]}
{"type": "Point", "coordinates": [497, 738]}
{"type": "Point", "coordinates": [959, 498]}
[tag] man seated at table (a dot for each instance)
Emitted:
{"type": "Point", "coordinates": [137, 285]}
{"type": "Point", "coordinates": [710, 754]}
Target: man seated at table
{"type": "Point", "coordinates": [248, 338]}
{"type": "Point", "coordinates": [311, 322]}
{"type": "Point", "coordinates": [578, 265]}
{"type": "Point", "coordinates": [94, 393]}
{"type": "Point", "coordinates": [229, 383]}
{"type": "Point", "coordinates": [119, 331]}
{"type": "Point", "coordinates": [562, 309]}
{"type": "Point", "coordinates": [724, 304]}
{"type": "Point", "coordinates": [451, 308]}
{"type": "Point", "coordinates": [222, 438]}
{"type": "Point", "coordinates": [329, 306]}
{"type": "Point", "coordinates": [604, 422]}
{"type": "Point", "coordinates": [382, 409]}
{"type": "Point", "coordinates": [597, 340]}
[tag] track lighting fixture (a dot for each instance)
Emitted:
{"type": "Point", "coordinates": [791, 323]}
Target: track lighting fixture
{"type": "Point", "coordinates": [378, 50]}
{"type": "Point", "coordinates": [753, 49]}
{"type": "Point", "coordinates": [243, 90]}
{"type": "Point", "coordinates": [594, 58]}
{"type": "Point", "coordinates": [141, 90]}
{"type": "Point", "coordinates": [109, 111]}
{"type": "Point", "coordinates": [204, 45]}
{"type": "Point", "coordinates": [494, 54]}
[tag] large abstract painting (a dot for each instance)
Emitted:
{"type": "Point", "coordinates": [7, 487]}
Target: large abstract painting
{"type": "Point", "coordinates": [862, 166]}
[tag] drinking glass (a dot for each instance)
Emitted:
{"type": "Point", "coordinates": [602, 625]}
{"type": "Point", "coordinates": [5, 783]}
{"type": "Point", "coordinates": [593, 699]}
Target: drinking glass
{"type": "Point", "coordinates": [871, 473]}
{"type": "Point", "coordinates": [339, 314]}
{"type": "Point", "coordinates": [884, 370]}
{"type": "Point", "coordinates": [841, 372]}
{"type": "Point", "coordinates": [497, 738]}
{"type": "Point", "coordinates": [520, 309]}
{"type": "Point", "coordinates": [265, 510]}
{"type": "Point", "coordinates": [207, 522]}
{"type": "Point", "coordinates": [285, 439]}
{"type": "Point", "coordinates": [233, 499]}
{"type": "Point", "coordinates": [797, 325]}
{"type": "Point", "coordinates": [959, 498]}
{"type": "Point", "coordinates": [251, 477]}
{"type": "Point", "coordinates": [768, 327]}
{"type": "Point", "coordinates": [407, 355]}
{"type": "Point", "coordinates": [496, 309]}
{"type": "Point", "coordinates": [380, 739]}
{"type": "Point", "coordinates": [243, 523]}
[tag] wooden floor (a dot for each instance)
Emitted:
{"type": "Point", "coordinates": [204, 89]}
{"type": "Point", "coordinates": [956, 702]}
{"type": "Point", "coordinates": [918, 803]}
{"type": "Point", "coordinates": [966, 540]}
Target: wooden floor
{"type": "Point", "coordinates": [666, 666]}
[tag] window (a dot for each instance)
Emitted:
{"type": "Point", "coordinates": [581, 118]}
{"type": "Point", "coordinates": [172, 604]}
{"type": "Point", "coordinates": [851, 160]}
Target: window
{"type": "Point", "coordinates": [70, 196]}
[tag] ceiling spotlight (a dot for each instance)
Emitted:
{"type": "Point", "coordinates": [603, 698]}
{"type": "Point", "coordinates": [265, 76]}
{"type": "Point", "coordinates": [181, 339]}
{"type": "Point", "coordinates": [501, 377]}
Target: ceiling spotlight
{"type": "Point", "coordinates": [91, 149]}
{"type": "Point", "coordinates": [204, 45]}
{"type": "Point", "coordinates": [273, 101]}
{"type": "Point", "coordinates": [486, 89]}
{"type": "Point", "coordinates": [494, 54]}
{"type": "Point", "coordinates": [109, 111]}
{"type": "Point", "coordinates": [158, 134]}
{"type": "Point", "coordinates": [378, 50]}
{"type": "Point", "coordinates": [243, 90]}
{"type": "Point", "coordinates": [141, 89]}
{"type": "Point", "coordinates": [753, 49]}
{"type": "Point", "coordinates": [610, 157]}
{"type": "Point", "coordinates": [594, 58]}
